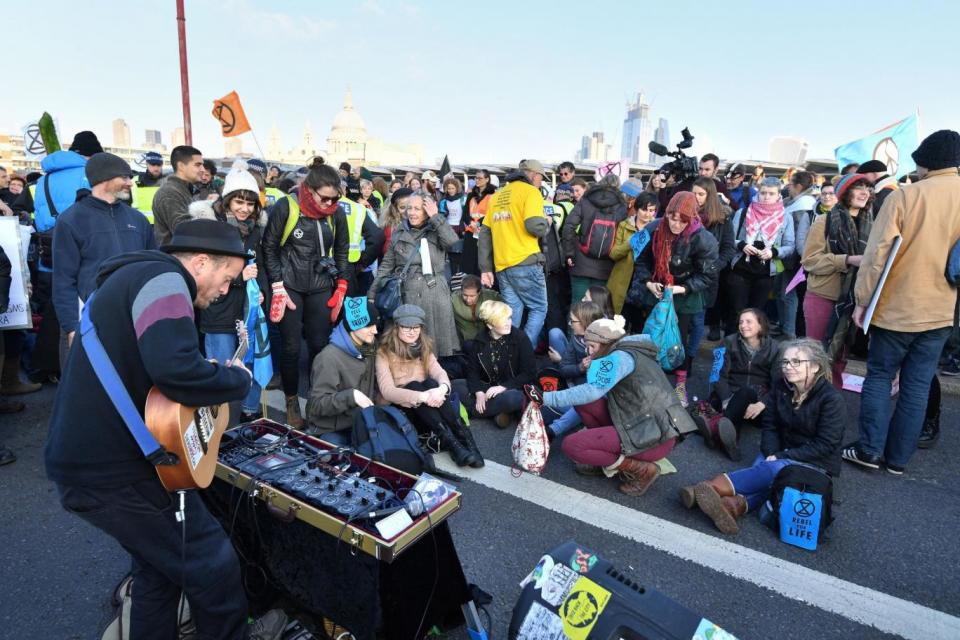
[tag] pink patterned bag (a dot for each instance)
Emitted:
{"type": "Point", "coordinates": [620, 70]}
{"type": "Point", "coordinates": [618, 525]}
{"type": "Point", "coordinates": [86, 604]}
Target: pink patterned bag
{"type": "Point", "coordinates": [530, 444]}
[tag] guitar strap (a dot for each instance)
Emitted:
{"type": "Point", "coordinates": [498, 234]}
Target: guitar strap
{"type": "Point", "coordinates": [118, 394]}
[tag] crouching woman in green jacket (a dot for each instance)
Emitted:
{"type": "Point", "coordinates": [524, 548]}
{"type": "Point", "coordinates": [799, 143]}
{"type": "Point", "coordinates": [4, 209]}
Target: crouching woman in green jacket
{"type": "Point", "coordinates": [632, 415]}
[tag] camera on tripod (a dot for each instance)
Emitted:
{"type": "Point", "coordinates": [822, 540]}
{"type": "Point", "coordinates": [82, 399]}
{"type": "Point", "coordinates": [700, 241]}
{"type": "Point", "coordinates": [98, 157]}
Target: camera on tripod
{"type": "Point", "coordinates": [683, 166]}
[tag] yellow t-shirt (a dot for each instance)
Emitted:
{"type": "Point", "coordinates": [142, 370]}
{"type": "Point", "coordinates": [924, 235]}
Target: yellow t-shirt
{"type": "Point", "coordinates": [509, 208]}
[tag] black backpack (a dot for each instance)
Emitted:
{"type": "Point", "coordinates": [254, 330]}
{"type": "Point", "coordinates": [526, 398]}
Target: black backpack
{"type": "Point", "coordinates": [808, 480]}
{"type": "Point", "coordinates": [384, 434]}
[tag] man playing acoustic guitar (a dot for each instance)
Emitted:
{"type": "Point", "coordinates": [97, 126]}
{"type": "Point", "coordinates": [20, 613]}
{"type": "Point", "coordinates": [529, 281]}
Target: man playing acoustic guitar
{"type": "Point", "coordinates": [143, 314]}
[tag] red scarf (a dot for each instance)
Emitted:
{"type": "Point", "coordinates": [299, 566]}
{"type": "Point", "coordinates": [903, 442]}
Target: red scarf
{"type": "Point", "coordinates": [310, 208]}
{"type": "Point", "coordinates": [663, 240]}
{"type": "Point", "coordinates": [764, 222]}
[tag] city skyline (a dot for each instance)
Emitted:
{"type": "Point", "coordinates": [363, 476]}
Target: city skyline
{"type": "Point", "coordinates": [413, 80]}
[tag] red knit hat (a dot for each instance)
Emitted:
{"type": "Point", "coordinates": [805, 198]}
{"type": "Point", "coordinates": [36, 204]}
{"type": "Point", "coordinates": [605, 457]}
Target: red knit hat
{"type": "Point", "coordinates": [685, 204]}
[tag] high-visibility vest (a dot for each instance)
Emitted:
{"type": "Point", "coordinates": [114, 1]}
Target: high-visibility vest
{"type": "Point", "coordinates": [33, 198]}
{"type": "Point", "coordinates": [356, 214]}
{"type": "Point", "coordinates": [272, 196]}
{"type": "Point", "coordinates": [294, 217]}
{"type": "Point", "coordinates": [141, 198]}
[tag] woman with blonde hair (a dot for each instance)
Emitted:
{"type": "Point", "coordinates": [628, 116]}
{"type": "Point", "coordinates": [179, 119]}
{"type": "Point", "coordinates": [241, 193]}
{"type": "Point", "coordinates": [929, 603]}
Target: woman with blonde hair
{"type": "Point", "coordinates": [802, 423]}
{"type": "Point", "coordinates": [499, 362]}
{"type": "Point", "coordinates": [410, 377]}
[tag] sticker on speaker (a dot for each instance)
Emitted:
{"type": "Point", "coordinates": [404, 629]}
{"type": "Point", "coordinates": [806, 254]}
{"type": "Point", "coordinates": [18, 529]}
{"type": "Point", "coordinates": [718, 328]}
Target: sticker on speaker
{"type": "Point", "coordinates": [540, 624]}
{"type": "Point", "coordinates": [558, 584]}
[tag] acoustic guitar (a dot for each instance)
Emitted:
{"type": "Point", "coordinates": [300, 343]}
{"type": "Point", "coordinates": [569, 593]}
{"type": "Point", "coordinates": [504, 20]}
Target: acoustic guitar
{"type": "Point", "coordinates": [191, 433]}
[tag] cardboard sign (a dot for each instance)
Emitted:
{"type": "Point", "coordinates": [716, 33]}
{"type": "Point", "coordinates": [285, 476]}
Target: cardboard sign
{"type": "Point", "coordinates": [17, 315]}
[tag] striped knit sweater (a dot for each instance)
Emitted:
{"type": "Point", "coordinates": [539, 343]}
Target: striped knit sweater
{"type": "Point", "coordinates": [143, 312]}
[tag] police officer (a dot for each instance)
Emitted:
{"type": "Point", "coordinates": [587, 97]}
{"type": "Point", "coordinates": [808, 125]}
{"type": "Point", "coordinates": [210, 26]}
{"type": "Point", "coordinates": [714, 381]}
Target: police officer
{"type": "Point", "coordinates": [146, 184]}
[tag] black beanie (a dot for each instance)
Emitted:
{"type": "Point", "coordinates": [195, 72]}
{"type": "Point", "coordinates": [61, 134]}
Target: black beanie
{"type": "Point", "coordinates": [106, 166]}
{"type": "Point", "coordinates": [86, 144]}
{"type": "Point", "coordinates": [939, 150]}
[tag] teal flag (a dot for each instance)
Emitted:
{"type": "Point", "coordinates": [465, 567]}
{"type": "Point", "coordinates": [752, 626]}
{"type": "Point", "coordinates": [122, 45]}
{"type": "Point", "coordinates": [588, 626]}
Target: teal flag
{"type": "Point", "coordinates": [892, 145]}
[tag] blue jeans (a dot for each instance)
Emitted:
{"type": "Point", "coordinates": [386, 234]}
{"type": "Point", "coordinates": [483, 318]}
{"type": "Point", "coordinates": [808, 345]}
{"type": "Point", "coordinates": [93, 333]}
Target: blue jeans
{"type": "Point", "coordinates": [754, 483]}
{"type": "Point", "coordinates": [915, 355]}
{"type": "Point", "coordinates": [558, 340]}
{"type": "Point", "coordinates": [562, 420]}
{"type": "Point", "coordinates": [525, 286]}
{"type": "Point", "coordinates": [221, 347]}
{"type": "Point", "coordinates": [695, 335]}
{"type": "Point", "coordinates": [787, 304]}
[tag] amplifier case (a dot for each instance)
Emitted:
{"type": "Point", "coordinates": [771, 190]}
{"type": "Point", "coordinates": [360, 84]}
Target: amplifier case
{"type": "Point", "coordinates": [285, 506]}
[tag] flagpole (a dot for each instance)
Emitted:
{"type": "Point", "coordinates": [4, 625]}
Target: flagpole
{"type": "Point", "coordinates": [184, 80]}
{"type": "Point", "coordinates": [257, 142]}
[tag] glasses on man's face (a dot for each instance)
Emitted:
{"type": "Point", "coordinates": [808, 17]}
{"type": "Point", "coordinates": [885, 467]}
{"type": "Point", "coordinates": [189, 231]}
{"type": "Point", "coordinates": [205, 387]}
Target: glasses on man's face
{"type": "Point", "coordinates": [566, 173]}
{"type": "Point", "coordinates": [792, 363]}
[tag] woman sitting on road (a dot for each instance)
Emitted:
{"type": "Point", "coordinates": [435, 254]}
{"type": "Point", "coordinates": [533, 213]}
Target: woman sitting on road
{"type": "Point", "coordinates": [748, 361]}
{"type": "Point", "coordinates": [572, 363]}
{"type": "Point", "coordinates": [410, 377]}
{"type": "Point", "coordinates": [499, 362]}
{"type": "Point", "coordinates": [628, 406]}
{"type": "Point", "coordinates": [802, 424]}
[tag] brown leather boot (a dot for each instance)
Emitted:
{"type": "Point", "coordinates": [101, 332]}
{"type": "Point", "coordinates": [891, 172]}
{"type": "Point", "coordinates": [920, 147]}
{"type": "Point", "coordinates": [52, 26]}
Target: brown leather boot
{"type": "Point", "coordinates": [294, 419]}
{"type": "Point", "coordinates": [722, 509]}
{"type": "Point", "coordinates": [637, 476]}
{"type": "Point", "coordinates": [10, 382]}
{"type": "Point", "coordinates": [688, 496]}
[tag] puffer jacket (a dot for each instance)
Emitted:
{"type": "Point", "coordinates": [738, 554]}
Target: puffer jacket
{"type": "Point", "coordinates": [297, 263]}
{"type": "Point", "coordinates": [693, 265]}
{"type": "Point", "coordinates": [741, 370]}
{"type": "Point", "coordinates": [581, 229]}
{"type": "Point", "coordinates": [812, 432]}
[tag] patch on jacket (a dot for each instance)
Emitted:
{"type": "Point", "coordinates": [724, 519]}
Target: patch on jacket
{"type": "Point", "coordinates": [603, 372]}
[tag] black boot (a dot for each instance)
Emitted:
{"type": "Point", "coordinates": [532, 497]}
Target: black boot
{"type": "Point", "coordinates": [463, 433]}
{"type": "Point", "coordinates": [930, 433]}
{"type": "Point", "coordinates": [460, 454]}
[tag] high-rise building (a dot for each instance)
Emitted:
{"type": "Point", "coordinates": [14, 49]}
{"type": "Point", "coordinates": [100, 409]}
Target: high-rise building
{"type": "Point", "coordinates": [661, 135]}
{"type": "Point", "coordinates": [121, 133]}
{"type": "Point", "coordinates": [178, 137]}
{"type": "Point", "coordinates": [636, 130]}
{"type": "Point", "coordinates": [153, 138]}
{"type": "Point", "coordinates": [274, 147]}
{"type": "Point", "coordinates": [594, 149]}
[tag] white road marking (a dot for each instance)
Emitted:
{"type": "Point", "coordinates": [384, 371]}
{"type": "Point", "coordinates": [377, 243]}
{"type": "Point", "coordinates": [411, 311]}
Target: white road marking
{"type": "Point", "coordinates": [860, 604]}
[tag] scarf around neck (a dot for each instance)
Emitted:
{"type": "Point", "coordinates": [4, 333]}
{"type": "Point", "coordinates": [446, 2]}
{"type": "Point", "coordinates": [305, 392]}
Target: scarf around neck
{"type": "Point", "coordinates": [764, 222]}
{"type": "Point", "coordinates": [310, 208]}
{"type": "Point", "coordinates": [847, 235]}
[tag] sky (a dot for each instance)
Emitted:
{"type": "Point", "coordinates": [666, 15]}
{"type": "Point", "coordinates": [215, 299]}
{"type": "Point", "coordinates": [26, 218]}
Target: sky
{"type": "Point", "coordinates": [491, 81]}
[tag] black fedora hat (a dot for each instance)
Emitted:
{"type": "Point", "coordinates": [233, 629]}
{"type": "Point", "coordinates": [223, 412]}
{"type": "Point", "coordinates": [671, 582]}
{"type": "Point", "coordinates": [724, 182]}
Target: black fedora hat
{"type": "Point", "coordinates": [206, 236]}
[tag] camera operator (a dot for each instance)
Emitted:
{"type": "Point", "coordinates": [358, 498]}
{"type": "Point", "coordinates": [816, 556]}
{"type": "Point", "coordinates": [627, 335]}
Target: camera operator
{"type": "Point", "coordinates": [305, 247]}
{"type": "Point", "coordinates": [683, 171]}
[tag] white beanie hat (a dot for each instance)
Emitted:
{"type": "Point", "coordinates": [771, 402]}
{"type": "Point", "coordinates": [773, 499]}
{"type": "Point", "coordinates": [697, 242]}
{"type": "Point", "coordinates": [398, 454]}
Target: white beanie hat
{"type": "Point", "coordinates": [239, 179]}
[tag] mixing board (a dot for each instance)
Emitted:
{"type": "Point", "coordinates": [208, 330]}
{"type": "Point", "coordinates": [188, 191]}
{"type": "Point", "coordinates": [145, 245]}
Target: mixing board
{"type": "Point", "coordinates": [324, 479]}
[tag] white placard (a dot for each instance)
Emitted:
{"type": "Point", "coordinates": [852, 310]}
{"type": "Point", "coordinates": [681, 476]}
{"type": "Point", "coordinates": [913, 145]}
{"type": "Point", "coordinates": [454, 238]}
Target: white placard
{"type": "Point", "coordinates": [17, 315]}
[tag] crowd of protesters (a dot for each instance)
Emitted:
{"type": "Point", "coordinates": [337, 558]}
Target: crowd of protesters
{"type": "Point", "coordinates": [503, 278]}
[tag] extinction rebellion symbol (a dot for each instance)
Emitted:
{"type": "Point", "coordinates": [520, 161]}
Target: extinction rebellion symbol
{"type": "Point", "coordinates": [34, 142]}
{"type": "Point", "coordinates": [804, 508]}
{"type": "Point", "coordinates": [228, 120]}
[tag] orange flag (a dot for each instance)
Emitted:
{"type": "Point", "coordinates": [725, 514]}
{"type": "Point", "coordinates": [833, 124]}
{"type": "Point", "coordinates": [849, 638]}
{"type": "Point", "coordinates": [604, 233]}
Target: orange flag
{"type": "Point", "coordinates": [229, 113]}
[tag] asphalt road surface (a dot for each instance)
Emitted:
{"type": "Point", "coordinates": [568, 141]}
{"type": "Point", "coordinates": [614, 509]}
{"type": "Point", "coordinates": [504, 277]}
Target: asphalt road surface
{"type": "Point", "coordinates": [889, 570]}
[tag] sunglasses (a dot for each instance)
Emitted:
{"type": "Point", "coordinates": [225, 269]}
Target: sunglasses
{"type": "Point", "coordinates": [325, 199]}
